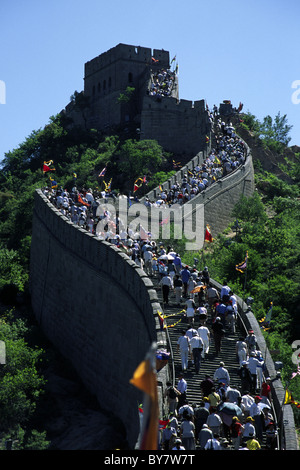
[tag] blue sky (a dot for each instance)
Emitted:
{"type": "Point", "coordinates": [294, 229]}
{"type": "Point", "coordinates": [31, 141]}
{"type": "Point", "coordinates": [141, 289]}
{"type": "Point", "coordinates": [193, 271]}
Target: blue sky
{"type": "Point", "coordinates": [237, 50]}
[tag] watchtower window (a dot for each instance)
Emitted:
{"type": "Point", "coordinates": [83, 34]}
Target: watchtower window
{"type": "Point", "coordinates": [94, 90]}
{"type": "Point", "coordinates": [104, 84]}
{"type": "Point", "coordinates": [130, 77]}
{"type": "Point", "coordinates": [109, 82]}
{"type": "Point", "coordinates": [99, 87]}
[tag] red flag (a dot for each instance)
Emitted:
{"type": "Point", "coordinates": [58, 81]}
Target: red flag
{"type": "Point", "coordinates": [208, 236]}
{"type": "Point", "coordinates": [46, 166]}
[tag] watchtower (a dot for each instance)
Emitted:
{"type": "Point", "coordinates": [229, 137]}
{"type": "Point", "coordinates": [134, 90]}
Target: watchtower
{"type": "Point", "coordinates": [153, 104]}
{"type": "Point", "coordinates": [110, 74]}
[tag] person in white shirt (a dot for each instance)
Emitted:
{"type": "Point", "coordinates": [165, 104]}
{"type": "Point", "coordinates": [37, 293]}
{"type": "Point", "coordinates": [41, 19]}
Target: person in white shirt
{"type": "Point", "coordinates": [204, 334]}
{"type": "Point", "coordinates": [233, 395]}
{"type": "Point", "coordinates": [224, 294]}
{"type": "Point", "coordinates": [190, 310]}
{"type": "Point", "coordinates": [214, 422]}
{"type": "Point", "coordinates": [183, 345]}
{"type": "Point", "coordinates": [256, 413]}
{"type": "Point", "coordinates": [213, 444]}
{"type": "Point", "coordinates": [196, 345]}
{"type": "Point", "coordinates": [148, 255]}
{"type": "Point", "coordinates": [246, 401]}
{"type": "Point", "coordinates": [253, 364]}
{"type": "Point", "coordinates": [241, 350]}
{"type": "Point", "coordinates": [221, 374]}
{"type": "Point", "coordinates": [249, 429]}
{"type": "Point", "coordinates": [182, 388]}
{"type": "Point", "coordinates": [166, 284]}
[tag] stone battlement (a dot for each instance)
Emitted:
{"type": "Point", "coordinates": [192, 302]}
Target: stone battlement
{"type": "Point", "coordinates": [178, 125]}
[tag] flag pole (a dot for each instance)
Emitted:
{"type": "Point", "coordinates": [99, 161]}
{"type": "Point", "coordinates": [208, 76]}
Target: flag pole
{"type": "Point", "coordinates": [245, 281]}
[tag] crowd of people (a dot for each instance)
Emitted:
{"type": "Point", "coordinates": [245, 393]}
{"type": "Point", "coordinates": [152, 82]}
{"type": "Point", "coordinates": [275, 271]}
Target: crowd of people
{"type": "Point", "coordinates": [229, 153]}
{"type": "Point", "coordinates": [162, 83]}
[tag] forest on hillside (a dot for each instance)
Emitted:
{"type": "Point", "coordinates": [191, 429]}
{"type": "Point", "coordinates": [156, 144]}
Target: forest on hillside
{"type": "Point", "coordinates": [267, 228]}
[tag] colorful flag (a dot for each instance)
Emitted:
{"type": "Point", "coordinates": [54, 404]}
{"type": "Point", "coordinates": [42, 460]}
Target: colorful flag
{"type": "Point", "coordinates": [243, 265]}
{"type": "Point", "coordinates": [208, 236]}
{"type": "Point", "coordinates": [161, 319]}
{"type": "Point", "coordinates": [265, 322]}
{"type": "Point", "coordinates": [136, 185]}
{"type": "Point", "coordinates": [160, 187]}
{"type": "Point", "coordinates": [82, 201]}
{"type": "Point", "coordinates": [289, 400]}
{"type": "Point", "coordinates": [75, 175]}
{"type": "Point", "coordinates": [163, 423]}
{"type": "Point", "coordinates": [154, 60]}
{"type": "Point", "coordinates": [176, 164]}
{"type": "Point", "coordinates": [206, 139]}
{"type": "Point", "coordinates": [102, 173]}
{"type": "Point", "coordinates": [46, 166]}
{"type": "Point", "coordinates": [107, 185]}
{"type": "Point", "coordinates": [53, 183]}
{"type": "Point", "coordinates": [145, 379]}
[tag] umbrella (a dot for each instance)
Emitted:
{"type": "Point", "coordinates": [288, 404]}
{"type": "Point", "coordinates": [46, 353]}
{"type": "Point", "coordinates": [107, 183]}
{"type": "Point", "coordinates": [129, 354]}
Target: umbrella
{"type": "Point", "coordinates": [230, 409]}
{"type": "Point", "coordinates": [197, 289]}
{"type": "Point", "coordinates": [166, 257]}
{"type": "Point", "coordinates": [261, 406]}
{"type": "Point", "coordinates": [227, 410]}
{"type": "Point", "coordinates": [172, 253]}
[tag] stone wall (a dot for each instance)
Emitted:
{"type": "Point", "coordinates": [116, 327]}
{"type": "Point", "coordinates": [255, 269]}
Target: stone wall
{"type": "Point", "coordinates": [179, 126]}
{"type": "Point", "coordinates": [95, 305]}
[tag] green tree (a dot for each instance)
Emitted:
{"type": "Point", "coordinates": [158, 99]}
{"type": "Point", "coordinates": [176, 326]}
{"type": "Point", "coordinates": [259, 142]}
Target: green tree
{"type": "Point", "coordinates": [137, 158]}
{"type": "Point", "coordinates": [275, 132]}
{"type": "Point", "coordinates": [20, 384]}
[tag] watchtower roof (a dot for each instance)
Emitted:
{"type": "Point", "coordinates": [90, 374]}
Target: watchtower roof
{"type": "Point", "coordinates": [126, 52]}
